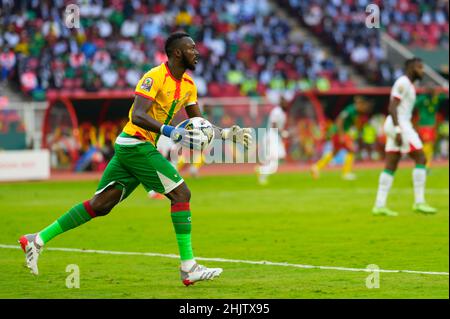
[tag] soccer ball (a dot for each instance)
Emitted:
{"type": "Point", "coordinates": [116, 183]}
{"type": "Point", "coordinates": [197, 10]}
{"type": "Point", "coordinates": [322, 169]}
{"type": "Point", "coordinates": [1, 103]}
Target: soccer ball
{"type": "Point", "coordinates": [201, 124]}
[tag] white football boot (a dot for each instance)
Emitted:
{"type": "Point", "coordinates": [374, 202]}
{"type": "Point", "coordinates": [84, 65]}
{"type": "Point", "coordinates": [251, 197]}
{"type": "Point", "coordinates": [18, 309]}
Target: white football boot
{"type": "Point", "coordinates": [31, 250]}
{"type": "Point", "coordinates": [199, 273]}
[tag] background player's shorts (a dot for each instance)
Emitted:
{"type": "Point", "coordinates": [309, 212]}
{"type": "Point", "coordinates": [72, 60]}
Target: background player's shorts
{"type": "Point", "coordinates": [411, 140]}
{"type": "Point", "coordinates": [428, 134]}
{"type": "Point", "coordinates": [346, 144]}
{"type": "Point", "coordinates": [137, 164]}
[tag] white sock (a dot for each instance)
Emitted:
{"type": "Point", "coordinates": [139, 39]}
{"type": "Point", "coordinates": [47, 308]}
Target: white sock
{"type": "Point", "coordinates": [419, 178]}
{"type": "Point", "coordinates": [186, 265]}
{"type": "Point", "coordinates": [384, 185]}
{"type": "Point", "coordinates": [269, 168]}
{"type": "Point", "coordinates": [39, 240]}
{"type": "Point", "coordinates": [262, 178]}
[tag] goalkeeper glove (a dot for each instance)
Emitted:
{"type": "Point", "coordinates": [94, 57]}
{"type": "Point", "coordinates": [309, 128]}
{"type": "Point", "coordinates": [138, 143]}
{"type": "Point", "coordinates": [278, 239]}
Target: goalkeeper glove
{"type": "Point", "coordinates": [188, 138]}
{"type": "Point", "coordinates": [238, 135]}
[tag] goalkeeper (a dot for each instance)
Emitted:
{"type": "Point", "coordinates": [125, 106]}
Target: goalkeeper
{"type": "Point", "coordinates": [159, 95]}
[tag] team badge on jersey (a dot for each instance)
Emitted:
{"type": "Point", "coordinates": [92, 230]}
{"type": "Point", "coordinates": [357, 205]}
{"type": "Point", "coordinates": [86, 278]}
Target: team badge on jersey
{"type": "Point", "coordinates": [147, 84]}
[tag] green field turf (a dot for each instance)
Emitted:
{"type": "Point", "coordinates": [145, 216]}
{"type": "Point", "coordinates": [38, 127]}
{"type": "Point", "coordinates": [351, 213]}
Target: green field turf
{"type": "Point", "coordinates": [294, 219]}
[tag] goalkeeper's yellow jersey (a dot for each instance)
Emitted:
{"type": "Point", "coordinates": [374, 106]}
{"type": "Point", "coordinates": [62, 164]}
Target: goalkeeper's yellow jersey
{"type": "Point", "coordinates": [168, 94]}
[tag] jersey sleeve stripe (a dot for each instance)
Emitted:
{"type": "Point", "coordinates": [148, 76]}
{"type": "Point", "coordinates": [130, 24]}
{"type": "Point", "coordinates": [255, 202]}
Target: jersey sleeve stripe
{"type": "Point", "coordinates": [143, 95]}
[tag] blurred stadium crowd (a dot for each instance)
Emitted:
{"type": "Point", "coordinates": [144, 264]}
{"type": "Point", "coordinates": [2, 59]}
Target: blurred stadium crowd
{"type": "Point", "coordinates": [341, 23]}
{"type": "Point", "coordinates": [247, 49]}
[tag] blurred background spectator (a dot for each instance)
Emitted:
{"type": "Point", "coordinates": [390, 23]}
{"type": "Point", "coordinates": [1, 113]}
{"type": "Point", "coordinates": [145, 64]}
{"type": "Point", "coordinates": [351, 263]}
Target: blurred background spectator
{"type": "Point", "coordinates": [246, 48]}
{"type": "Point", "coordinates": [341, 25]}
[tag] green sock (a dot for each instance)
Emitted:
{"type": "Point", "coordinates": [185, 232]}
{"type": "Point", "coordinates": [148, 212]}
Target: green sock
{"type": "Point", "coordinates": [181, 219]}
{"type": "Point", "coordinates": [76, 216]}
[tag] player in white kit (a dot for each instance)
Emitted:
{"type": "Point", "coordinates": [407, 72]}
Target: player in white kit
{"type": "Point", "coordinates": [403, 139]}
{"type": "Point", "coordinates": [273, 142]}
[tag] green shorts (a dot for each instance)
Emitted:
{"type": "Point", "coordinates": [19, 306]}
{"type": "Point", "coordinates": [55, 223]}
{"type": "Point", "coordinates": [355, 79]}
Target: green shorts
{"type": "Point", "coordinates": [137, 164]}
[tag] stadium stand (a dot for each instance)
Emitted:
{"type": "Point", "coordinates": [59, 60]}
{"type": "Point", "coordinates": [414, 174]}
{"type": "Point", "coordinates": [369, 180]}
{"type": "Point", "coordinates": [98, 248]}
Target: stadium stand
{"type": "Point", "coordinates": [246, 49]}
{"type": "Point", "coordinates": [341, 23]}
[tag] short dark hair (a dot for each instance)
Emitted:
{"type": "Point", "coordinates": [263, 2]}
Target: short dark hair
{"type": "Point", "coordinates": [172, 39]}
{"type": "Point", "coordinates": [411, 61]}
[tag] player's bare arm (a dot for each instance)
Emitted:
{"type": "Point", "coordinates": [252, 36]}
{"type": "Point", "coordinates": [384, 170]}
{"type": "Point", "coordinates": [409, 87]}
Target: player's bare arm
{"type": "Point", "coordinates": [140, 117]}
{"type": "Point", "coordinates": [193, 111]}
{"type": "Point", "coordinates": [392, 109]}
{"type": "Point", "coordinates": [340, 126]}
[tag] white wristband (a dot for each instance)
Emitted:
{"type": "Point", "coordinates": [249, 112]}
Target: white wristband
{"type": "Point", "coordinates": [398, 129]}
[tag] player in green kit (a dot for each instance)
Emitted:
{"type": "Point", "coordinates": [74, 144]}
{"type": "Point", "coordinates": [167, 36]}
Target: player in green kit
{"type": "Point", "coordinates": [351, 116]}
{"type": "Point", "coordinates": [427, 106]}
{"type": "Point", "coordinates": [159, 95]}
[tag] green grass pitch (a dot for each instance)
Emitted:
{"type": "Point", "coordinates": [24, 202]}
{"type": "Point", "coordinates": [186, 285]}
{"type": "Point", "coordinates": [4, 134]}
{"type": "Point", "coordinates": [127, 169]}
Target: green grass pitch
{"type": "Point", "coordinates": [295, 219]}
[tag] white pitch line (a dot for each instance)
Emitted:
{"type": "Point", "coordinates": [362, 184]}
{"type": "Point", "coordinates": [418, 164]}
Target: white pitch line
{"type": "Point", "coordinates": [262, 262]}
{"type": "Point", "coordinates": [432, 191]}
